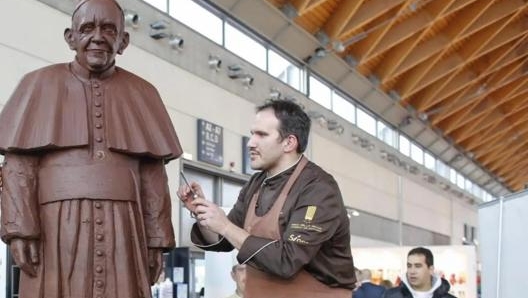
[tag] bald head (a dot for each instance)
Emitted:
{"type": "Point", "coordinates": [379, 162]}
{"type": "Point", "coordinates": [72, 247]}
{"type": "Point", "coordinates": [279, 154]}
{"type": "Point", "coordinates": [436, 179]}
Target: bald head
{"type": "Point", "coordinates": [105, 2]}
{"type": "Point", "coordinates": [366, 274]}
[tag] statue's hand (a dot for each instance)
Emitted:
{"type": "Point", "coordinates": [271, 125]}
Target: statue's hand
{"type": "Point", "coordinates": [25, 254]}
{"type": "Point", "coordinates": [155, 264]}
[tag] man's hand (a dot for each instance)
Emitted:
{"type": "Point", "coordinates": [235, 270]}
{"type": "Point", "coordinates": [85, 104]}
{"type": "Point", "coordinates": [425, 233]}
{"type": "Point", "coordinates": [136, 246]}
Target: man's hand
{"type": "Point", "coordinates": [155, 264]}
{"type": "Point", "coordinates": [188, 194]}
{"type": "Point", "coordinates": [25, 254]}
{"type": "Point", "coordinates": [210, 216]}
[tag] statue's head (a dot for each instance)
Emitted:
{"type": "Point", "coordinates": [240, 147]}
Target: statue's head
{"type": "Point", "coordinates": [97, 33]}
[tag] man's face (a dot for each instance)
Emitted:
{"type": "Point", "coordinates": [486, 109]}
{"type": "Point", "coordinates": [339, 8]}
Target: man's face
{"type": "Point", "coordinates": [97, 34]}
{"type": "Point", "coordinates": [266, 147]}
{"type": "Point", "coordinates": [418, 273]}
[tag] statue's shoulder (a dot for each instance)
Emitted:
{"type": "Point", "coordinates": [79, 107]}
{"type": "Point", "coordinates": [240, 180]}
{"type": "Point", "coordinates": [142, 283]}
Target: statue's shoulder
{"type": "Point", "coordinates": [133, 78]}
{"type": "Point", "coordinates": [48, 72]}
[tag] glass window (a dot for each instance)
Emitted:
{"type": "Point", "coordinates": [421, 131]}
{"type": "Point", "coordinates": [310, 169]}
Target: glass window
{"type": "Point", "coordinates": [453, 176]}
{"type": "Point", "coordinates": [230, 191]}
{"type": "Point", "coordinates": [461, 180]}
{"type": "Point", "coordinates": [442, 169]}
{"type": "Point", "coordinates": [343, 108]}
{"type": "Point", "coordinates": [186, 222]}
{"type": "Point", "coordinates": [387, 135]}
{"type": "Point", "coordinates": [416, 153]}
{"type": "Point", "coordinates": [159, 4]}
{"type": "Point", "coordinates": [404, 145]}
{"type": "Point", "coordinates": [320, 93]}
{"type": "Point", "coordinates": [366, 122]}
{"type": "Point", "coordinates": [284, 70]}
{"type": "Point", "coordinates": [244, 46]}
{"type": "Point", "coordinates": [469, 186]}
{"type": "Point", "coordinates": [429, 161]}
{"type": "Point", "coordinates": [198, 18]}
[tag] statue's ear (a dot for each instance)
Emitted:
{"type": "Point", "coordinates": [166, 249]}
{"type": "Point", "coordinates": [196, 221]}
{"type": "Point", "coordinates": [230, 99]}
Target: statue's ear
{"type": "Point", "coordinates": [68, 37]}
{"type": "Point", "coordinates": [124, 43]}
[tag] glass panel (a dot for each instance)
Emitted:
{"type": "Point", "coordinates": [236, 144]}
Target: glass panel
{"type": "Point", "coordinates": [343, 108]}
{"type": "Point", "coordinates": [186, 222]}
{"type": "Point", "coordinates": [416, 153]}
{"type": "Point", "coordinates": [442, 169]}
{"type": "Point", "coordinates": [244, 46]}
{"type": "Point", "coordinates": [461, 181]}
{"type": "Point", "coordinates": [320, 93]}
{"type": "Point", "coordinates": [429, 161]}
{"type": "Point", "coordinates": [453, 176]}
{"type": "Point", "coordinates": [198, 18]}
{"type": "Point", "coordinates": [230, 191]}
{"type": "Point", "coordinates": [404, 146]}
{"type": "Point", "coordinates": [387, 135]}
{"type": "Point", "coordinates": [366, 122]}
{"type": "Point", "coordinates": [284, 70]}
{"type": "Point", "coordinates": [159, 4]}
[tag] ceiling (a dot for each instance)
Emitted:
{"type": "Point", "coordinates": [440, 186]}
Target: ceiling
{"type": "Point", "coordinates": [458, 66]}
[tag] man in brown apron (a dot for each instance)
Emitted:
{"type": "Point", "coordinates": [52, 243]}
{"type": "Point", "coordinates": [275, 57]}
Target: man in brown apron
{"type": "Point", "coordinates": [289, 223]}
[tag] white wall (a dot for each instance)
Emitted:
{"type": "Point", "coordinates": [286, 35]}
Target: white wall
{"type": "Point", "coordinates": [32, 37]}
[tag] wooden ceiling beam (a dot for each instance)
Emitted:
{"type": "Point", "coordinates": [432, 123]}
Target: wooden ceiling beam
{"type": "Point", "coordinates": [471, 86]}
{"type": "Point", "coordinates": [368, 12]}
{"type": "Point", "coordinates": [303, 6]}
{"type": "Point", "coordinates": [464, 19]}
{"type": "Point", "coordinates": [397, 33]}
{"type": "Point", "coordinates": [466, 140]}
{"type": "Point", "coordinates": [438, 77]}
{"type": "Point", "coordinates": [402, 50]}
{"type": "Point", "coordinates": [499, 96]}
{"type": "Point", "coordinates": [341, 17]}
{"type": "Point", "coordinates": [367, 45]}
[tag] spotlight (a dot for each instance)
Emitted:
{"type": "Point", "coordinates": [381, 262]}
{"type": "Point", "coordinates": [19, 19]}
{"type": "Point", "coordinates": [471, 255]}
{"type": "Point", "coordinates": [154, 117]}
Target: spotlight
{"type": "Point", "coordinates": [158, 30]}
{"type": "Point", "coordinates": [176, 42]}
{"type": "Point", "coordinates": [131, 18]}
{"type": "Point", "coordinates": [247, 80]}
{"type": "Point", "coordinates": [333, 125]}
{"type": "Point", "coordinates": [274, 94]}
{"type": "Point", "coordinates": [214, 62]}
{"type": "Point", "coordinates": [234, 71]}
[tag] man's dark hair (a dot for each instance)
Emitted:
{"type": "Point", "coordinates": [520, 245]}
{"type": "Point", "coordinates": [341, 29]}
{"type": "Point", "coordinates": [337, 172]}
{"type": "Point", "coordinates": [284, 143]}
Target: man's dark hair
{"type": "Point", "coordinates": [429, 259]}
{"type": "Point", "coordinates": [293, 121]}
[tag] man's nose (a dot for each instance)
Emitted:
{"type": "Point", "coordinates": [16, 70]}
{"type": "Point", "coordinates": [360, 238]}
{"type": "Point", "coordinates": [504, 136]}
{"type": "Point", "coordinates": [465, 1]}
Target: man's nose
{"type": "Point", "coordinates": [251, 142]}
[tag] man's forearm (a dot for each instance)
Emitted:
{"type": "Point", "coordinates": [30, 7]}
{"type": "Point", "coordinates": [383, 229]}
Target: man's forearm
{"type": "Point", "coordinates": [235, 235]}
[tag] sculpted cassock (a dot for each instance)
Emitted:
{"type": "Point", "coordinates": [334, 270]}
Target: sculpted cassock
{"type": "Point", "coordinates": [85, 201]}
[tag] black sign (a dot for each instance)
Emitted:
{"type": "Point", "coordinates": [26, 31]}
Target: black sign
{"type": "Point", "coordinates": [210, 143]}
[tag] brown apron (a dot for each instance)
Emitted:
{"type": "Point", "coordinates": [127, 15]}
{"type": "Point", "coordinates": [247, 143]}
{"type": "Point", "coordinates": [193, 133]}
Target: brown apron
{"type": "Point", "coordinates": [260, 284]}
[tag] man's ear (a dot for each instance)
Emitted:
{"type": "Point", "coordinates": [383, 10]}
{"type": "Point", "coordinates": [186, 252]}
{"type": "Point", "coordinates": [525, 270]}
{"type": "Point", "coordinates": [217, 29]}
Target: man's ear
{"type": "Point", "coordinates": [68, 37]}
{"type": "Point", "coordinates": [291, 143]}
{"type": "Point", "coordinates": [124, 43]}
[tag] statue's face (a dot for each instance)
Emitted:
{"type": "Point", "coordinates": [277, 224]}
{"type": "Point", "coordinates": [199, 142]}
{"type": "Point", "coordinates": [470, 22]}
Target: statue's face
{"type": "Point", "coordinates": [97, 34]}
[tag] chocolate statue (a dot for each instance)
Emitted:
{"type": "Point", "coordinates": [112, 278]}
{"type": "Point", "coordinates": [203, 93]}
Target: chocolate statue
{"type": "Point", "coordinates": [85, 200]}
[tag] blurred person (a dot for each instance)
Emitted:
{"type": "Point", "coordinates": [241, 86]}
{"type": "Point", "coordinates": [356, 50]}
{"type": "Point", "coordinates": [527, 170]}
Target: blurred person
{"type": "Point", "coordinates": [367, 289]}
{"type": "Point", "coordinates": [387, 284]}
{"type": "Point", "coordinates": [289, 224]}
{"type": "Point", "coordinates": [238, 274]}
{"type": "Point", "coordinates": [420, 281]}
{"type": "Point", "coordinates": [85, 206]}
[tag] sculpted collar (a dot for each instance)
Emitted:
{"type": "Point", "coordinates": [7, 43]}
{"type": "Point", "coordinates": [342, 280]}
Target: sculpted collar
{"type": "Point", "coordinates": [86, 75]}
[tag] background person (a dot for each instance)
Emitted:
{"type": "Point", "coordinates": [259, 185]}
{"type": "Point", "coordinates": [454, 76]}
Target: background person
{"type": "Point", "coordinates": [289, 223]}
{"type": "Point", "coordinates": [420, 281]}
{"type": "Point", "coordinates": [238, 274]}
{"type": "Point", "coordinates": [367, 289]}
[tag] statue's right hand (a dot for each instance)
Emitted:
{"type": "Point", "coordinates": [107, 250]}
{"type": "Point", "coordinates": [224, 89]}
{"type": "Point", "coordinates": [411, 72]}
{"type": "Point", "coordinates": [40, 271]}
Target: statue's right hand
{"type": "Point", "coordinates": [25, 254]}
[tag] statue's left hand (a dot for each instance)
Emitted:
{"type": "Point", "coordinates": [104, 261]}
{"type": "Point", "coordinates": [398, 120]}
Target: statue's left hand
{"type": "Point", "coordinates": [155, 264]}
{"type": "Point", "coordinates": [25, 254]}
